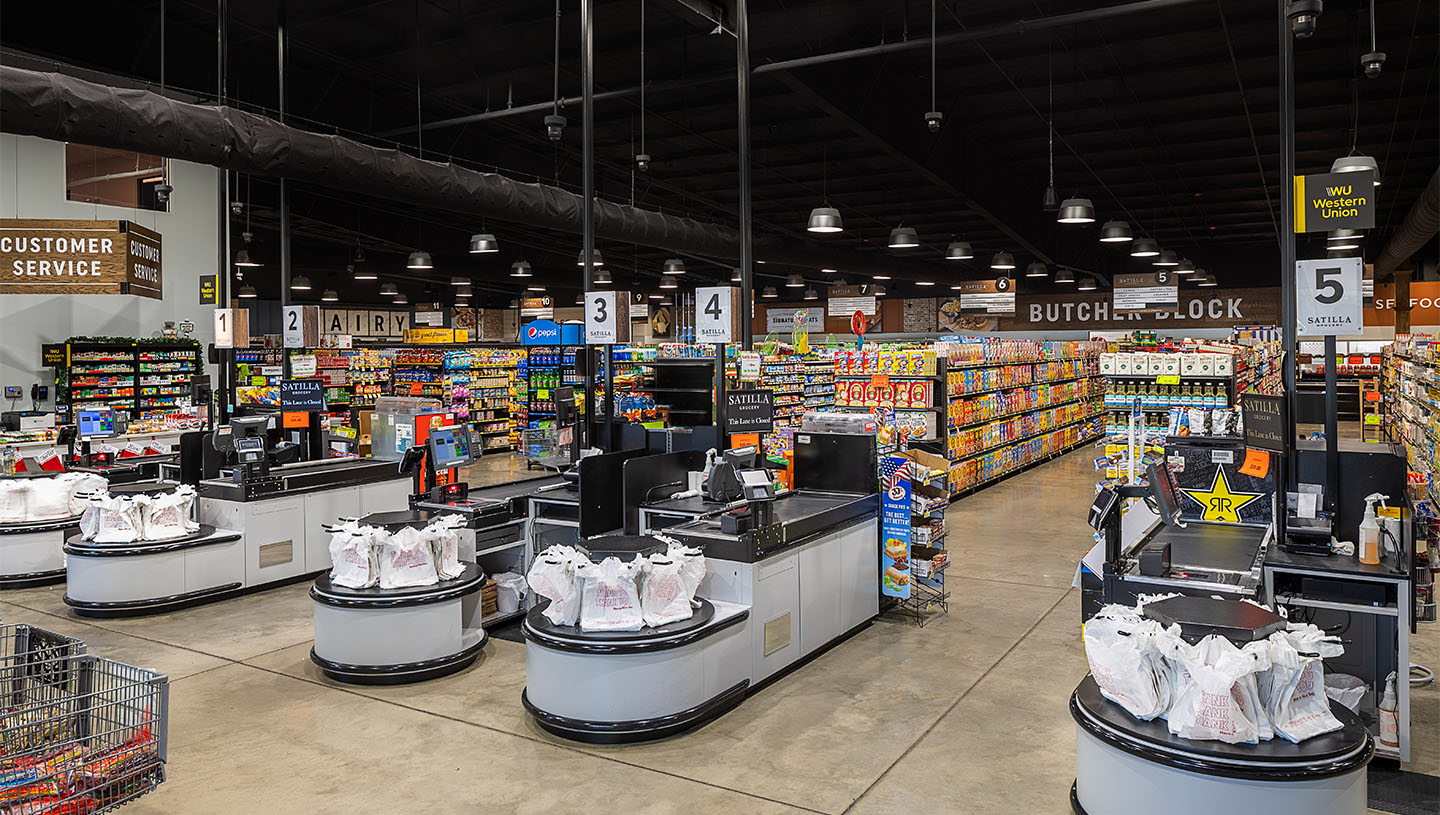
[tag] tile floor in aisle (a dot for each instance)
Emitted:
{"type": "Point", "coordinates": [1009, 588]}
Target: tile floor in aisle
{"type": "Point", "coordinates": [968, 714]}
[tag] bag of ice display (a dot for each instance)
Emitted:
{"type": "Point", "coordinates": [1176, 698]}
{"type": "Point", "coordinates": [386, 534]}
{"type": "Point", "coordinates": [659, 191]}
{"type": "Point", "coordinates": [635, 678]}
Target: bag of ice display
{"type": "Point", "coordinates": [354, 557]}
{"type": "Point", "coordinates": [48, 499]}
{"type": "Point", "coordinates": [553, 576]}
{"type": "Point", "coordinates": [121, 519]}
{"type": "Point", "coordinates": [406, 560]}
{"type": "Point", "coordinates": [610, 600]}
{"type": "Point", "coordinates": [664, 596]}
{"type": "Point", "coordinates": [1212, 701]}
{"type": "Point", "coordinates": [1130, 671]}
{"type": "Point", "coordinates": [14, 496]}
{"type": "Point", "coordinates": [1293, 689]}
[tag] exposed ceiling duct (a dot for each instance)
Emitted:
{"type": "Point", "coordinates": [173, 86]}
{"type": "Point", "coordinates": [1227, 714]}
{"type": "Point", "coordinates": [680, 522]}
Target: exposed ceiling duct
{"type": "Point", "coordinates": [63, 108]}
{"type": "Point", "coordinates": [1420, 225]}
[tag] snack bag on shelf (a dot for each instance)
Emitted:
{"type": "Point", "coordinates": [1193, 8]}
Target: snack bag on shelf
{"type": "Point", "coordinates": [553, 576]}
{"type": "Point", "coordinates": [406, 560]}
{"type": "Point", "coordinates": [663, 598]}
{"type": "Point", "coordinates": [610, 599]}
{"type": "Point", "coordinates": [354, 555]}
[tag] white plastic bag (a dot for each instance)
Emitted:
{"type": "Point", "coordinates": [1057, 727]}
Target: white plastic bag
{"type": "Point", "coordinates": [120, 518]}
{"type": "Point", "coordinates": [48, 499]}
{"type": "Point", "coordinates": [1130, 671]}
{"type": "Point", "coordinates": [406, 560]}
{"type": "Point", "coordinates": [553, 577]}
{"type": "Point", "coordinates": [1346, 689]}
{"type": "Point", "coordinates": [692, 566]}
{"type": "Point", "coordinates": [167, 516]}
{"type": "Point", "coordinates": [664, 595]}
{"type": "Point", "coordinates": [610, 600]}
{"type": "Point", "coordinates": [1294, 687]}
{"type": "Point", "coordinates": [1213, 700]}
{"type": "Point", "coordinates": [14, 495]}
{"type": "Point", "coordinates": [82, 486]}
{"type": "Point", "coordinates": [445, 545]}
{"type": "Point", "coordinates": [354, 557]}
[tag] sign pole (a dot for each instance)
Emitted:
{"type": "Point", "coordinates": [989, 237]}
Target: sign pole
{"type": "Point", "coordinates": [1287, 475]}
{"type": "Point", "coordinates": [587, 174]}
{"type": "Point", "coordinates": [1332, 432]}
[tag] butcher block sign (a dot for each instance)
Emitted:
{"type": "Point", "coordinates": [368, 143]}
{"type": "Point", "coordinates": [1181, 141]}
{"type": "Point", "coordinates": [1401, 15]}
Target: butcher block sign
{"type": "Point", "coordinates": [79, 257]}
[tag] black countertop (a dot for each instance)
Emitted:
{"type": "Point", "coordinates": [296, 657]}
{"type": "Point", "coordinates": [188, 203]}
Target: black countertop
{"type": "Point", "coordinates": [1212, 546]}
{"type": "Point", "coordinates": [798, 517]}
{"type": "Point", "coordinates": [1388, 567]}
{"type": "Point", "coordinates": [316, 478]}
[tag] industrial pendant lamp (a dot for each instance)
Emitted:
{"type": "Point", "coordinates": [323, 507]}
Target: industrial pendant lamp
{"type": "Point", "coordinates": [247, 293]}
{"type": "Point", "coordinates": [459, 280]}
{"type": "Point", "coordinates": [555, 123]}
{"type": "Point", "coordinates": [903, 237]}
{"type": "Point", "coordinates": [668, 283]}
{"type": "Point", "coordinates": [1064, 276]}
{"type": "Point", "coordinates": [1343, 239]}
{"type": "Point", "coordinates": [881, 277]}
{"type": "Point", "coordinates": [1144, 248]}
{"type": "Point", "coordinates": [1356, 164]}
{"type": "Point", "coordinates": [924, 282]}
{"type": "Point", "coordinates": [769, 293]}
{"type": "Point", "coordinates": [1208, 280]}
{"type": "Point", "coordinates": [959, 250]}
{"type": "Point", "coordinates": [535, 285]}
{"type": "Point", "coordinates": [602, 277]}
{"type": "Point", "coordinates": [401, 300]}
{"type": "Point", "coordinates": [464, 293]}
{"type": "Point", "coordinates": [1050, 201]}
{"type": "Point", "coordinates": [300, 283]}
{"type": "Point", "coordinates": [1167, 257]}
{"type": "Point", "coordinates": [655, 296]}
{"type": "Point", "coordinates": [579, 298]}
{"type": "Point", "coordinates": [794, 281]}
{"type": "Point", "coordinates": [360, 273]}
{"type": "Point", "coordinates": [829, 271]}
{"type": "Point", "coordinates": [933, 117]}
{"type": "Point", "coordinates": [824, 218]}
{"type": "Point", "coordinates": [330, 296]}
{"type": "Point", "coordinates": [359, 256]}
{"type": "Point", "coordinates": [520, 268]}
{"type": "Point", "coordinates": [420, 260]}
{"type": "Point", "coordinates": [1002, 260]}
{"type": "Point", "coordinates": [735, 275]}
{"type": "Point", "coordinates": [1115, 232]}
{"type": "Point", "coordinates": [642, 158]}
{"type": "Point", "coordinates": [667, 301]}
{"type": "Point", "coordinates": [674, 266]}
{"type": "Point", "coordinates": [483, 244]}
{"type": "Point", "coordinates": [1076, 211]}
{"type": "Point", "coordinates": [388, 290]}
{"type": "Point", "coordinates": [1037, 269]}
{"type": "Point", "coordinates": [811, 294]}
{"type": "Point", "coordinates": [1087, 283]}
{"type": "Point", "coordinates": [599, 261]}
{"type": "Point", "coordinates": [880, 290]}
{"type": "Point", "coordinates": [1185, 267]}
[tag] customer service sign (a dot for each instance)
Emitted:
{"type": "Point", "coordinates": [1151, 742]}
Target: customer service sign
{"type": "Point", "coordinates": [79, 257]}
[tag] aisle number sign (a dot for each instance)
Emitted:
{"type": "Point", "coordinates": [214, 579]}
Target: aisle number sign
{"type": "Point", "coordinates": [717, 314]}
{"type": "Point", "coordinates": [232, 328]}
{"type": "Point", "coordinates": [1156, 291]}
{"type": "Point", "coordinates": [302, 326]}
{"type": "Point", "coordinates": [1329, 300]}
{"type": "Point", "coordinates": [1334, 201]}
{"type": "Point", "coordinates": [607, 317]}
{"type": "Point", "coordinates": [993, 298]}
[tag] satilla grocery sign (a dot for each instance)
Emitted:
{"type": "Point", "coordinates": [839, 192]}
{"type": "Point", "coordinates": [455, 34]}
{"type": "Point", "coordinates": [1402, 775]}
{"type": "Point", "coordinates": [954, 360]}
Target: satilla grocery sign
{"type": "Point", "coordinates": [1335, 201]}
{"type": "Point", "coordinates": [79, 257]}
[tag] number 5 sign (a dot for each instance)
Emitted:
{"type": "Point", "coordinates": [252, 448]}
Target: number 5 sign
{"type": "Point", "coordinates": [1328, 297]}
{"type": "Point", "coordinates": [717, 314]}
{"type": "Point", "coordinates": [607, 317]}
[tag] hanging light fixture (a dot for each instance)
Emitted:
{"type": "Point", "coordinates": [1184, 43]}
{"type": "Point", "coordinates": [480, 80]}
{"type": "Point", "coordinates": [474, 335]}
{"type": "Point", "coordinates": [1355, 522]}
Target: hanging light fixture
{"type": "Point", "coordinates": [420, 260]}
{"type": "Point", "coordinates": [464, 292]}
{"type": "Point", "coordinates": [794, 281]}
{"type": "Point", "coordinates": [1037, 269]}
{"type": "Point", "coordinates": [824, 219]}
{"type": "Point", "coordinates": [881, 277]}
{"type": "Point", "coordinates": [388, 290]}
{"type": "Point", "coordinates": [520, 268]}
{"type": "Point", "coordinates": [1144, 248]}
{"type": "Point", "coordinates": [1087, 283]}
{"type": "Point", "coordinates": [811, 294]}
{"type": "Point", "coordinates": [880, 290]}
{"type": "Point", "coordinates": [1186, 267]}
{"type": "Point", "coordinates": [655, 296]}
{"type": "Point", "coordinates": [360, 273]}
{"type": "Point", "coordinates": [300, 283]}
{"type": "Point", "coordinates": [599, 260]}
{"type": "Point", "coordinates": [554, 122]}
{"type": "Point", "coordinates": [602, 277]}
{"type": "Point", "coordinates": [1356, 164]}
{"type": "Point", "coordinates": [535, 285]}
{"type": "Point", "coordinates": [924, 282]}
{"type": "Point", "coordinates": [330, 296]}
{"type": "Point", "coordinates": [1064, 276]}
{"type": "Point", "coordinates": [959, 250]}
{"type": "Point", "coordinates": [247, 293]}
{"type": "Point", "coordinates": [1343, 239]}
{"type": "Point", "coordinates": [1076, 211]}
{"type": "Point", "coordinates": [642, 158]}
{"type": "Point", "coordinates": [242, 257]}
{"type": "Point", "coordinates": [735, 275]}
{"type": "Point", "coordinates": [514, 303]}
{"type": "Point", "coordinates": [1002, 260]}
{"type": "Point", "coordinates": [359, 256]}
{"type": "Point", "coordinates": [401, 300]}
{"type": "Point", "coordinates": [1115, 232]}
{"type": "Point", "coordinates": [769, 293]}
{"type": "Point", "coordinates": [903, 237]}
{"type": "Point", "coordinates": [668, 283]}
{"type": "Point", "coordinates": [666, 301]}
{"type": "Point", "coordinates": [483, 244]}
{"type": "Point", "coordinates": [1050, 201]}
{"type": "Point", "coordinates": [829, 271]}
{"type": "Point", "coordinates": [459, 280]}
{"type": "Point", "coordinates": [1208, 280]}
{"type": "Point", "coordinates": [579, 298]}
{"type": "Point", "coordinates": [1167, 257]}
{"type": "Point", "coordinates": [674, 266]}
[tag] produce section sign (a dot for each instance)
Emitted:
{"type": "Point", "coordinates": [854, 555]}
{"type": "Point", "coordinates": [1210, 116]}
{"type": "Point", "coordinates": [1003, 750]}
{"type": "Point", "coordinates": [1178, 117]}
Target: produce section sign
{"type": "Point", "coordinates": [1151, 291]}
{"type": "Point", "coordinates": [40, 256]}
{"type": "Point", "coordinates": [895, 527]}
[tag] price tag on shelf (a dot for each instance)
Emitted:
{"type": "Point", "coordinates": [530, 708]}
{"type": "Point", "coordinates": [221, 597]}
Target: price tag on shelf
{"type": "Point", "coordinates": [1372, 419]}
{"type": "Point", "coordinates": [1172, 379]}
{"type": "Point", "coordinates": [1257, 463]}
{"type": "Point", "coordinates": [880, 380]}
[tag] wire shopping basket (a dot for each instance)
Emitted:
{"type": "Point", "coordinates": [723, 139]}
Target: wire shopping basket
{"type": "Point", "coordinates": [549, 446]}
{"type": "Point", "coordinates": [79, 734]}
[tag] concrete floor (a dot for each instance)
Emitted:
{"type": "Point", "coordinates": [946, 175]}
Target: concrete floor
{"type": "Point", "coordinates": [967, 714]}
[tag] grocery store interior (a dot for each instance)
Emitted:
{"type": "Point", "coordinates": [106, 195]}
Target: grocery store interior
{"type": "Point", "coordinates": [720, 406]}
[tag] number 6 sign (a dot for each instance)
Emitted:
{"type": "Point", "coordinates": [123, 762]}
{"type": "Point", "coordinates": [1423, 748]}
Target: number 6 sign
{"type": "Point", "coordinates": [1328, 297]}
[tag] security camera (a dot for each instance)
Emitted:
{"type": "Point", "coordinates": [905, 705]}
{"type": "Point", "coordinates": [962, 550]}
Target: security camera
{"type": "Point", "coordinates": [554, 126]}
{"type": "Point", "coordinates": [1372, 63]}
{"type": "Point", "coordinates": [237, 207]}
{"type": "Point", "coordinates": [933, 119]}
{"type": "Point", "coordinates": [162, 192]}
{"type": "Point", "coordinates": [1303, 15]}
{"type": "Point", "coordinates": [642, 162]}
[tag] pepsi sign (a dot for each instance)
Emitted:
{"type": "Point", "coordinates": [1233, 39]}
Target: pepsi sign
{"type": "Point", "coordinates": [540, 332]}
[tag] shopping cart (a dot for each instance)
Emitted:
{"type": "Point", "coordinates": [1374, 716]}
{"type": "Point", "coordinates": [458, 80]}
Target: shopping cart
{"type": "Point", "coordinates": [552, 447]}
{"type": "Point", "coordinates": [79, 734]}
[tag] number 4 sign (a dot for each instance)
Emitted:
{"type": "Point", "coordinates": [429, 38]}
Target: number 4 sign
{"type": "Point", "coordinates": [717, 314]}
{"type": "Point", "coordinates": [607, 317]}
{"type": "Point", "coordinates": [1328, 297]}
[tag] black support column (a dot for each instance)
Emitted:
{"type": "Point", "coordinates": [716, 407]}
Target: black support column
{"type": "Point", "coordinates": [587, 170]}
{"type": "Point", "coordinates": [1287, 239]}
{"type": "Point", "coordinates": [742, 87]}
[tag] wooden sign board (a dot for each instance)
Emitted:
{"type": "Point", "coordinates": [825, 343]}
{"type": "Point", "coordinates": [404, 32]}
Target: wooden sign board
{"type": "Point", "coordinates": [44, 256]}
{"type": "Point", "coordinates": [994, 298]}
{"type": "Point", "coordinates": [302, 326]}
{"type": "Point", "coordinates": [1147, 292]}
{"type": "Point", "coordinates": [232, 328]}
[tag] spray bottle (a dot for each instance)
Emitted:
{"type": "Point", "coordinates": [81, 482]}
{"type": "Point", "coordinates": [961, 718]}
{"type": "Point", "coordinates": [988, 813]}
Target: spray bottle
{"type": "Point", "coordinates": [1368, 548]}
{"type": "Point", "coordinates": [1389, 715]}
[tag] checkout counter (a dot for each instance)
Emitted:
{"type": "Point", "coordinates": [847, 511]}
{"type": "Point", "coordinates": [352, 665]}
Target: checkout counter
{"type": "Point", "coordinates": [788, 575]}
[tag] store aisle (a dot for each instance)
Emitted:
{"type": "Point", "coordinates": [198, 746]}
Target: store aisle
{"type": "Point", "coordinates": [968, 714]}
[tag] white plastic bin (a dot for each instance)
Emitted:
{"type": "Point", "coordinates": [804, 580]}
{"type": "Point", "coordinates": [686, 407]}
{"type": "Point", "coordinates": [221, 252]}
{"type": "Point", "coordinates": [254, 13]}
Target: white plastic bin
{"type": "Point", "coordinates": [509, 587]}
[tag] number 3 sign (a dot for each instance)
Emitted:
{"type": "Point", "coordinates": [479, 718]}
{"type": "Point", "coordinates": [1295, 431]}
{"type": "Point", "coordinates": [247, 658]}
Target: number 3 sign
{"type": "Point", "coordinates": [607, 317]}
{"type": "Point", "coordinates": [1328, 298]}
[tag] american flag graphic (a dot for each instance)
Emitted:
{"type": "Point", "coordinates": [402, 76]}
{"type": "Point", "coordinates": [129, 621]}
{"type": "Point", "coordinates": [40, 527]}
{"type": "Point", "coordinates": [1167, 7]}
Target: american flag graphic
{"type": "Point", "coordinates": [892, 469]}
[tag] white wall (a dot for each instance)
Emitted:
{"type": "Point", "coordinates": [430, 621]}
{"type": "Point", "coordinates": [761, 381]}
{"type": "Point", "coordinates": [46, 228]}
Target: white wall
{"type": "Point", "coordinates": [32, 185]}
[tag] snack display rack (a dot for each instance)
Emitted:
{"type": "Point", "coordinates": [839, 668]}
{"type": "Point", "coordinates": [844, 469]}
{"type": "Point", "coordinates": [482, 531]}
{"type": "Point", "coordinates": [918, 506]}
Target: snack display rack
{"type": "Point", "coordinates": [928, 558]}
{"type": "Point", "coordinates": [258, 372]}
{"type": "Point", "coordinates": [144, 379]}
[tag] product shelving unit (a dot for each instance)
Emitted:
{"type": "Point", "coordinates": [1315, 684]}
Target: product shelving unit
{"type": "Point", "coordinates": [929, 558]}
{"type": "Point", "coordinates": [687, 386]}
{"type": "Point", "coordinates": [545, 368]}
{"type": "Point", "coordinates": [141, 379]}
{"type": "Point", "coordinates": [258, 372]}
{"type": "Point", "coordinates": [1412, 419]}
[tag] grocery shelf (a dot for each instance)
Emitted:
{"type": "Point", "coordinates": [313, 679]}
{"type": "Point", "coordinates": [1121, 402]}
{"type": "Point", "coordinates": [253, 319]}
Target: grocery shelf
{"type": "Point", "coordinates": [1023, 438]}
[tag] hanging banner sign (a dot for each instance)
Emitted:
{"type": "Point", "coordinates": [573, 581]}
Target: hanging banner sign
{"type": "Point", "coordinates": [1334, 201]}
{"type": "Point", "coordinates": [717, 314]}
{"type": "Point", "coordinates": [749, 411]}
{"type": "Point", "coordinates": [1264, 421]}
{"type": "Point", "coordinates": [1147, 292]}
{"type": "Point", "coordinates": [895, 527]}
{"type": "Point", "coordinates": [542, 307]}
{"type": "Point", "coordinates": [607, 317]}
{"type": "Point", "coordinates": [845, 300]}
{"type": "Point", "coordinates": [783, 319]}
{"type": "Point", "coordinates": [1329, 298]}
{"type": "Point", "coordinates": [301, 327]}
{"type": "Point", "coordinates": [41, 256]}
{"type": "Point", "coordinates": [994, 298]}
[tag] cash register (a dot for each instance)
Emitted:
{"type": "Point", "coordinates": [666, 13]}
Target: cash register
{"type": "Point", "coordinates": [245, 444]}
{"type": "Point", "coordinates": [445, 449]}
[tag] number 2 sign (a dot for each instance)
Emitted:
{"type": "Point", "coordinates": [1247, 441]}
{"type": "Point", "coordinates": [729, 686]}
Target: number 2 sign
{"type": "Point", "coordinates": [1328, 297]}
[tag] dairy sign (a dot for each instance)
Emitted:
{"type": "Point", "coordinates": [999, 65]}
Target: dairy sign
{"type": "Point", "coordinates": [1208, 308]}
{"type": "Point", "coordinates": [79, 257]}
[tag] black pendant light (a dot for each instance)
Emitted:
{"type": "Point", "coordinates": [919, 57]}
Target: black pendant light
{"type": "Point", "coordinates": [464, 293]}
{"type": "Point", "coordinates": [247, 292]}
{"type": "Point", "coordinates": [1206, 279]}
{"type": "Point", "coordinates": [1064, 276]}
{"type": "Point", "coordinates": [668, 283]}
{"type": "Point", "coordinates": [811, 294]}
{"type": "Point", "coordinates": [824, 218]}
{"type": "Point", "coordinates": [924, 282]}
{"type": "Point", "coordinates": [1076, 211]}
{"type": "Point", "coordinates": [794, 281]}
{"type": "Point", "coordinates": [829, 271]}
{"type": "Point", "coordinates": [1167, 257]}
{"type": "Point", "coordinates": [1087, 283]}
{"type": "Point", "coordinates": [674, 266]}
{"type": "Point", "coordinates": [329, 296]}
{"type": "Point", "coordinates": [361, 273]}
{"type": "Point", "coordinates": [420, 260]}
{"type": "Point", "coordinates": [300, 283]}
{"type": "Point", "coordinates": [579, 298]}
{"type": "Point", "coordinates": [554, 122]}
{"type": "Point", "coordinates": [933, 117]}
{"type": "Point", "coordinates": [599, 261]}
{"type": "Point", "coordinates": [1050, 201]}
{"type": "Point", "coordinates": [459, 280]}
{"type": "Point", "coordinates": [880, 290]}
{"type": "Point", "coordinates": [388, 290]}
{"type": "Point", "coordinates": [735, 276]}
{"type": "Point", "coordinates": [242, 257]}
{"type": "Point", "coordinates": [483, 244]}
{"type": "Point", "coordinates": [959, 250]}
{"type": "Point", "coordinates": [520, 268]}
{"type": "Point", "coordinates": [535, 285]}
{"type": "Point", "coordinates": [769, 293]}
{"type": "Point", "coordinates": [1037, 269]}
{"type": "Point", "coordinates": [903, 237]}
{"type": "Point", "coordinates": [1343, 239]}
{"type": "Point", "coordinates": [1185, 267]}
{"type": "Point", "coordinates": [401, 300]}
{"type": "Point", "coordinates": [666, 301]}
{"type": "Point", "coordinates": [359, 256]}
{"type": "Point", "coordinates": [602, 277]}
{"type": "Point", "coordinates": [642, 158]}
{"type": "Point", "coordinates": [1002, 261]}
{"type": "Point", "coordinates": [1115, 232]}
{"type": "Point", "coordinates": [1144, 248]}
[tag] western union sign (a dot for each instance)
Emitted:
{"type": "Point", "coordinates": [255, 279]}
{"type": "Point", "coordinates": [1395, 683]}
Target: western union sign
{"type": "Point", "coordinates": [1334, 201]}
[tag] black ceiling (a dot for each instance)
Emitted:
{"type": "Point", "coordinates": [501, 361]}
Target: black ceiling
{"type": "Point", "coordinates": [1166, 118]}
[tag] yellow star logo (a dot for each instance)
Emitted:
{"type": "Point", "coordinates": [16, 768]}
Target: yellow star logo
{"type": "Point", "coordinates": [1219, 502]}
